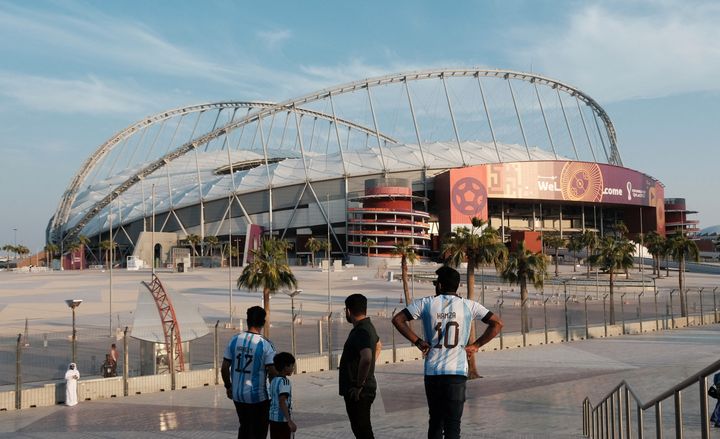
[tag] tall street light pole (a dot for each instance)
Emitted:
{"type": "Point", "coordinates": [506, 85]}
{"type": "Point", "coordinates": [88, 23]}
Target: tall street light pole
{"type": "Point", "coordinates": [230, 283]}
{"type": "Point", "coordinates": [73, 303]}
{"type": "Point", "coordinates": [329, 246]}
{"type": "Point", "coordinates": [112, 258]}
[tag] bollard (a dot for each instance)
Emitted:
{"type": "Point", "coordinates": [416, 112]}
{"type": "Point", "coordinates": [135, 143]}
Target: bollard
{"type": "Point", "coordinates": [18, 374]}
{"type": "Point", "coordinates": [216, 349]}
{"type": "Point", "coordinates": [715, 310]}
{"type": "Point", "coordinates": [320, 336]}
{"type": "Point", "coordinates": [702, 316]}
{"type": "Point", "coordinates": [126, 367]}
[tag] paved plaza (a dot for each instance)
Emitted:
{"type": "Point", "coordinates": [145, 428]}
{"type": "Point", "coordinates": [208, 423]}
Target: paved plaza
{"type": "Point", "coordinates": [533, 392]}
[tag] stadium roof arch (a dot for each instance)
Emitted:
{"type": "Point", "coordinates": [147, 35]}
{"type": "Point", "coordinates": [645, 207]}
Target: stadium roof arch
{"type": "Point", "coordinates": [433, 119]}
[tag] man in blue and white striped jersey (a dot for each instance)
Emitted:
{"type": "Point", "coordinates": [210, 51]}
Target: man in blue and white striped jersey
{"type": "Point", "coordinates": [247, 363]}
{"type": "Point", "coordinates": [446, 321]}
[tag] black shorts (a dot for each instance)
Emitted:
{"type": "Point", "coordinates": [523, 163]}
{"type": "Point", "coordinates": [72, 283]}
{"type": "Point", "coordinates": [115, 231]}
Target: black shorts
{"type": "Point", "coordinates": [279, 430]}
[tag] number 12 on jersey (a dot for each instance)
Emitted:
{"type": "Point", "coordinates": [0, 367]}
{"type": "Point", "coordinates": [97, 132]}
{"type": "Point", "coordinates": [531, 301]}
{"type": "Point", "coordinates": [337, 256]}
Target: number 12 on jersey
{"type": "Point", "coordinates": [444, 336]}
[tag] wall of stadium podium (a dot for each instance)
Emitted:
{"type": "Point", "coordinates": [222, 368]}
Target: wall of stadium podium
{"type": "Point", "coordinates": [42, 395]}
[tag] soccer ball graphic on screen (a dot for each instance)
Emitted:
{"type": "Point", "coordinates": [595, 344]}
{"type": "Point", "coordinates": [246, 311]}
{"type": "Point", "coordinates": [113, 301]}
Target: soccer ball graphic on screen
{"type": "Point", "coordinates": [469, 196]}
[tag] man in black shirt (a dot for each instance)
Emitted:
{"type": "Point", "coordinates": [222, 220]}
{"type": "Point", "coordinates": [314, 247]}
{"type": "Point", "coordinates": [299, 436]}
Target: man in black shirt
{"type": "Point", "coordinates": [357, 366]}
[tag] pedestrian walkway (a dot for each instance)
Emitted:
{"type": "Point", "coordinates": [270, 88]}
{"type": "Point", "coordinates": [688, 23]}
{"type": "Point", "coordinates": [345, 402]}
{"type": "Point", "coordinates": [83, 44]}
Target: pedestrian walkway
{"type": "Point", "coordinates": [533, 392]}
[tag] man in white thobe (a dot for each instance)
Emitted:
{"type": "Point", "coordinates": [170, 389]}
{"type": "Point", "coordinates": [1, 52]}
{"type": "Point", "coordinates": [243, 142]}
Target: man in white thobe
{"type": "Point", "coordinates": [71, 379]}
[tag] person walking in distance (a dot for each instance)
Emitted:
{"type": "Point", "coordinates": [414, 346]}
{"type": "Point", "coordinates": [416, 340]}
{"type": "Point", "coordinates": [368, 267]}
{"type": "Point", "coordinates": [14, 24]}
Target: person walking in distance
{"type": "Point", "coordinates": [114, 353]}
{"type": "Point", "coordinates": [281, 424]}
{"type": "Point", "coordinates": [446, 320]}
{"type": "Point", "coordinates": [357, 366]}
{"type": "Point", "coordinates": [247, 363]}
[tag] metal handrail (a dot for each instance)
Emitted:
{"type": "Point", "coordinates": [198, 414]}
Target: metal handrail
{"type": "Point", "coordinates": [596, 423]}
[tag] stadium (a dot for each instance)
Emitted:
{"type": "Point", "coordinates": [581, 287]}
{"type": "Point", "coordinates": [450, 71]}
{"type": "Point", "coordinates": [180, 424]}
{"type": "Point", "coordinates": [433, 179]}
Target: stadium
{"type": "Point", "coordinates": [402, 158]}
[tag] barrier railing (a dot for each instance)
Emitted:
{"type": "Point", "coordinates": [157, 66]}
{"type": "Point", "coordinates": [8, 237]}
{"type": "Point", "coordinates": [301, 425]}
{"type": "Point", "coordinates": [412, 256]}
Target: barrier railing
{"type": "Point", "coordinates": [611, 417]}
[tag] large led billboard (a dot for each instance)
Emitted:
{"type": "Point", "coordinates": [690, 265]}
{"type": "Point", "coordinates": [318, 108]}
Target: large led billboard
{"type": "Point", "coordinates": [568, 181]}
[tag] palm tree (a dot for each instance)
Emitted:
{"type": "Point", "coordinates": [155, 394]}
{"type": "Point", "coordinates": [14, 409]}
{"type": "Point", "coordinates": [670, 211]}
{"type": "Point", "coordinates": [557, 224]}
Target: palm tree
{"type": "Point", "coordinates": [369, 243]}
{"type": "Point", "coordinates": [21, 250]}
{"type": "Point", "coordinates": [72, 247]}
{"type": "Point", "coordinates": [590, 241]}
{"type": "Point", "coordinates": [667, 249]}
{"type": "Point", "coordinates": [268, 270]}
{"type": "Point", "coordinates": [194, 240]}
{"type": "Point", "coordinates": [524, 266]}
{"type": "Point", "coordinates": [84, 241]}
{"type": "Point", "coordinates": [10, 248]}
{"type": "Point", "coordinates": [50, 252]}
{"type": "Point", "coordinates": [681, 249]}
{"type": "Point", "coordinates": [655, 244]}
{"type": "Point", "coordinates": [476, 246]}
{"type": "Point", "coordinates": [621, 230]}
{"type": "Point", "coordinates": [613, 254]}
{"type": "Point", "coordinates": [107, 245]}
{"type": "Point", "coordinates": [555, 242]}
{"type": "Point", "coordinates": [212, 242]}
{"type": "Point", "coordinates": [313, 246]}
{"type": "Point", "coordinates": [405, 250]}
{"type": "Point", "coordinates": [229, 251]}
{"type": "Point", "coordinates": [575, 244]}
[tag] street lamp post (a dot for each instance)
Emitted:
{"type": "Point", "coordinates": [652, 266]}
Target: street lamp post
{"type": "Point", "coordinates": [73, 303]}
{"type": "Point", "coordinates": [292, 295]}
{"type": "Point", "coordinates": [328, 248]}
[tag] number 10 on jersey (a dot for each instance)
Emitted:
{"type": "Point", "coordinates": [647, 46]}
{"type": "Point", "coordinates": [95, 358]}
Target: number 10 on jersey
{"type": "Point", "coordinates": [448, 337]}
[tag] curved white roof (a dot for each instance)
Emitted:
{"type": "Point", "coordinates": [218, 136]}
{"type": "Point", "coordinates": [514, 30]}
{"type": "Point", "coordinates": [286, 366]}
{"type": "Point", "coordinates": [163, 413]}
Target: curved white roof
{"type": "Point", "coordinates": [433, 119]}
{"type": "Point", "coordinates": [136, 203]}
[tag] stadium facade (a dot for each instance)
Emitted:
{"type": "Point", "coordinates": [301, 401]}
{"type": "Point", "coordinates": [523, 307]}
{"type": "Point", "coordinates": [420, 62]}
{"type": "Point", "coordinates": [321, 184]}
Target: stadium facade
{"type": "Point", "coordinates": [399, 158]}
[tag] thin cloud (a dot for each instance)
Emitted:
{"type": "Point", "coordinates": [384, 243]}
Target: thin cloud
{"type": "Point", "coordinates": [274, 38]}
{"type": "Point", "coordinates": [623, 55]}
{"type": "Point", "coordinates": [104, 38]}
{"type": "Point", "coordinates": [89, 95]}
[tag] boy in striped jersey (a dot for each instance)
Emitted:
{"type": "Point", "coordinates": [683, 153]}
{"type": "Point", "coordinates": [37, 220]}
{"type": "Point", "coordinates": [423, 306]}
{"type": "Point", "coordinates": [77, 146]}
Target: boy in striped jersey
{"type": "Point", "coordinates": [446, 321]}
{"type": "Point", "coordinates": [281, 423]}
{"type": "Point", "coordinates": [247, 362]}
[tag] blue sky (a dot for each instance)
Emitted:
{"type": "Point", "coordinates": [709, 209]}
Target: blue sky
{"type": "Point", "coordinates": [74, 73]}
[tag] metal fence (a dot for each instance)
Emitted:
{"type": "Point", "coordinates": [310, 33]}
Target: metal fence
{"type": "Point", "coordinates": [561, 307]}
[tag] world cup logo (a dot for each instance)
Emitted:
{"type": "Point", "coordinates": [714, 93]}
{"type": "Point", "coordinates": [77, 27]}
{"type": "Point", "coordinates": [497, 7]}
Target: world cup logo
{"type": "Point", "coordinates": [581, 182]}
{"type": "Point", "coordinates": [469, 196]}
